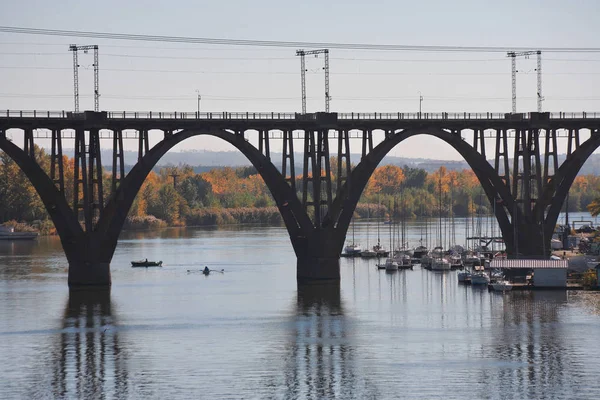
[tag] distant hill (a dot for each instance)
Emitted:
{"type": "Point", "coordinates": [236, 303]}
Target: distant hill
{"type": "Point", "coordinates": [203, 160]}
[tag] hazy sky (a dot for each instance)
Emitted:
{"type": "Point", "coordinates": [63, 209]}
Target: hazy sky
{"type": "Point", "coordinates": [36, 71]}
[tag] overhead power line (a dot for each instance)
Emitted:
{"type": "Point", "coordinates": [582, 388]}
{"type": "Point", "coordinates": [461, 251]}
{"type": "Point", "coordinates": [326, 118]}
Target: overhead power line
{"type": "Point", "coordinates": [274, 43]}
{"type": "Point", "coordinates": [266, 72]}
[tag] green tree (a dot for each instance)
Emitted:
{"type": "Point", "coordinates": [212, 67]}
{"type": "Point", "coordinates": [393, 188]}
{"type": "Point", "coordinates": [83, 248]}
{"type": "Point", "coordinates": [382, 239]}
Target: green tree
{"type": "Point", "coordinates": [166, 206]}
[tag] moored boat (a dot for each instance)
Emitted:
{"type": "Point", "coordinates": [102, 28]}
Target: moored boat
{"type": "Point", "coordinates": [480, 278]}
{"type": "Point", "coordinates": [502, 286]}
{"type": "Point", "coordinates": [8, 233]}
{"type": "Point", "coordinates": [352, 250]}
{"type": "Point", "coordinates": [440, 264]}
{"type": "Point", "coordinates": [391, 265]}
{"type": "Point", "coordinates": [464, 276]}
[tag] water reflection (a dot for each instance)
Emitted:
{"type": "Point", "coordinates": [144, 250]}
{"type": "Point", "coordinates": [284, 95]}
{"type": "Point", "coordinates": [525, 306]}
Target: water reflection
{"type": "Point", "coordinates": [89, 361]}
{"type": "Point", "coordinates": [320, 358]}
{"type": "Point", "coordinates": [534, 357]}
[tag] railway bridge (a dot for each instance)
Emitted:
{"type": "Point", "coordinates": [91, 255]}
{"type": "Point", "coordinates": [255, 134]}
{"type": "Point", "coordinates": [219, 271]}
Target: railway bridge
{"type": "Point", "coordinates": [528, 189]}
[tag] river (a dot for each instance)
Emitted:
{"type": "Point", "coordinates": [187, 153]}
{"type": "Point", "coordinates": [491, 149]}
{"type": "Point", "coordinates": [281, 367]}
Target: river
{"type": "Point", "coordinates": [251, 332]}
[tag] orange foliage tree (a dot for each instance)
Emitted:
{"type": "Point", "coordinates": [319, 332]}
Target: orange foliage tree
{"type": "Point", "coordinates": [385, 180]}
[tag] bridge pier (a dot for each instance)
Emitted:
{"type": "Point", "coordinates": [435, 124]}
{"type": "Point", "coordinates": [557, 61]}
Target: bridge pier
{"type": "Point", "coordinates": [89, 273]}
{"type": "Point", "coordinates": [318, 256]}
{"type": "Point", "coordinates": [89, 265]}
{"type": "Point", "coordinates": [531, 242]}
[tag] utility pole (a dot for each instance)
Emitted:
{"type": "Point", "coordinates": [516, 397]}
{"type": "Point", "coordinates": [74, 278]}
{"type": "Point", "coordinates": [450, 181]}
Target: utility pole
{"type": "Point", "coordinates": [199, 98]}
{"type": "Point", "coordinates": [74, 48]}
{"type": "Point", "coordinates": [302, 54]}
{"type": "Point", "coordinates": [174, 176]}
{"type": "Point", "coordinates": [513, 55]}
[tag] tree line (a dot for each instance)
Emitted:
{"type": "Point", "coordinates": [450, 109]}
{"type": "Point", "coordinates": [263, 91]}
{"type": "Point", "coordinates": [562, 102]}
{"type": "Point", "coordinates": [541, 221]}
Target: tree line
{"type": "Point", "coordinates": [177, 196]}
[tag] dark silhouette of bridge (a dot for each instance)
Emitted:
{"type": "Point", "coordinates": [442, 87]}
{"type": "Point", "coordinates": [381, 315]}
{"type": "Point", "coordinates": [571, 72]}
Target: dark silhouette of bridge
{"type": "Point", "coordinates": [527, 195]}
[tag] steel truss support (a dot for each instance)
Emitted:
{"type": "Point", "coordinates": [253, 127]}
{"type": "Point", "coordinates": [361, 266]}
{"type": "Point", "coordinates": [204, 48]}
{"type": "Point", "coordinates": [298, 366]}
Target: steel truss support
{"type": "Point", "coordinates": [572, 141]}
{"type": "Point", "coordinates": [88, 193]}
{"type": "Point", "coordinates": [56, 161]}
{"type": "Point", "coordinates": [343, 161]}
{"type": "Point", "coordinates": [80, 188]}
{"type": "Point", "coordinates": [118, 164]}
{"type": "Point", "coordinates": [367, 142]}
{"type": "Point", "coordinates": [479, 141]}
{"type": "Point", "coordinates": [263, 143]}
{"type": "Point", "coordinates": [28, 146]}
{"type": "Point", "coordinates": [324, 193]}
{"type": "Point", "coordinates": [95, 189]}
{"type": "Point", "coordinates": [309, 169]}
{"type": "Point", "coordinates": [143, 144]}
{"type": "Point", "coordinates": [550, 156]}
{"type": "Point", "coordinates": [527, 175]}
{"type": "Point", "coordinates": [287, 162]}
{"type": "Point", "coordinates": [501, 163]}
{"type": "Point", "coordinates": [317, 171]}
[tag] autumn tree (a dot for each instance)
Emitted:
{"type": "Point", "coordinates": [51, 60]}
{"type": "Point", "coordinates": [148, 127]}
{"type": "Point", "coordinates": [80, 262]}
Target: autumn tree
{"type": "Point", "coordinates": [385, 180]}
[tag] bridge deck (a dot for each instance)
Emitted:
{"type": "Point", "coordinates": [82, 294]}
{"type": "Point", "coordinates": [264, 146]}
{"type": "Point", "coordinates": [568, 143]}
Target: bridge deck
{"type": "Point", "coordinates": [289, 121]}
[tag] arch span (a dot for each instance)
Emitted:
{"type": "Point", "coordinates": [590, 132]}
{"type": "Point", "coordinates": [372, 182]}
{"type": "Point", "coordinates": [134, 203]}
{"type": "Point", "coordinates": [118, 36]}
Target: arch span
{"type": "Point", "coordinates": [494, 187]}
{"type": "Point", "coordinates": [115, 212]}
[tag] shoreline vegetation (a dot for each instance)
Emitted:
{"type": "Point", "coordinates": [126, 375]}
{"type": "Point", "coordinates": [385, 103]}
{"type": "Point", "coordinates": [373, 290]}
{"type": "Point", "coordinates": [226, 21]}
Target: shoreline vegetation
{"type": "Point", "coordinates": [177, 196]}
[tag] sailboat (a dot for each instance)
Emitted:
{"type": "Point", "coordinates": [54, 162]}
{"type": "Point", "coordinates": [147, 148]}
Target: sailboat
{"type": "Point", "coordinates": [438, 261]}
{"type": "Point", "coordinates": [353, 249]}
{"type": "Point", "coordinates": [368, 253]}
{"type": "Point", "coordinates": [379, 250]}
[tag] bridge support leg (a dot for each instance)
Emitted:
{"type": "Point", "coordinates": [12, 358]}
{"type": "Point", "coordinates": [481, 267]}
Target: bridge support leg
{"type": "Point", "coordinates": [88, 266]}
{"type": "Point", "coordinates": [531, 242]}
{"type": "Point", "coordinates": [89, 273]}
{"type": "Point", "coordinates": [318, 257]}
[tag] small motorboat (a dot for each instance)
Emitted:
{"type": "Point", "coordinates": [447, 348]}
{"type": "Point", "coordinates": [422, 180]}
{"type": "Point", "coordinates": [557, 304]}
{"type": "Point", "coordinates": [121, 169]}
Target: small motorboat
{"type": "Point", "coordinates": [502, 286]}
{"type": "Point", "coordinates": [146, 263]}
{"type": "Point", "coordinates": [464, 276]}
{"type": "Point", "coordinates": [391, 265]}
{"type": "Point", "coordinates": [480, 278]}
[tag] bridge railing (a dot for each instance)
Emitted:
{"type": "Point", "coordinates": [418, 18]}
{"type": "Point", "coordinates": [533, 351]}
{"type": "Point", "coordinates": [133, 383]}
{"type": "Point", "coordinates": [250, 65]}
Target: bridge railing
{"type": "Point", "coordinates": [293, 116]}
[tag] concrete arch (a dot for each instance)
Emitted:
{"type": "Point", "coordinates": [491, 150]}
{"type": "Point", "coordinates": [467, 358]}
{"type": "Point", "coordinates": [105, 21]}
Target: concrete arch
{"type": "Point", "coordinates": [494, 187]}
{"type": "Point", "coordinates": [115, 212]}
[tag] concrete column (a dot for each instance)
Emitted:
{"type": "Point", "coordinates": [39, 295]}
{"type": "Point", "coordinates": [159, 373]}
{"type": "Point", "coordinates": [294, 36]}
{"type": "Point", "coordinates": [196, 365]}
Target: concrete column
{"type": "Point", "coordinates": [318, 256]}
{"type": "Point", "coordinates": [89, 262]}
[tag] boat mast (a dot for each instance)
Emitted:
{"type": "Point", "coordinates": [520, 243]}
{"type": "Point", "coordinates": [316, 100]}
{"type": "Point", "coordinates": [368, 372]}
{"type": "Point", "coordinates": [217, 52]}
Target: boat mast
{"type": "Point", "coordinates": [391, 239]}
{"type": "Point", "coordinates": [368, 218]}
{"type": "Point", "coordinates": [440, 210]}
{"type": "Point", "coordinates": [378, 221]}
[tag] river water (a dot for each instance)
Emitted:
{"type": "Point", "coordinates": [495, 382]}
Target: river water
{"type": "Point", "coordinates": [252, 333]}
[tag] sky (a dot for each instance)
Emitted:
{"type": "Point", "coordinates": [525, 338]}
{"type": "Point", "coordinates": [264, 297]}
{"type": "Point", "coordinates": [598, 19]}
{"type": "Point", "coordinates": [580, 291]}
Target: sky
{"type": "Point", "coordinates": [36, 71]}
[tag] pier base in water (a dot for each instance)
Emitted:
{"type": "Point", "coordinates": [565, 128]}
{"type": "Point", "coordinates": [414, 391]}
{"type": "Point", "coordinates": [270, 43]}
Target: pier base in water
{"type": "Point", "coordinates": [85, 274]}
{"type": "Point", "coordinates": [318, 269]}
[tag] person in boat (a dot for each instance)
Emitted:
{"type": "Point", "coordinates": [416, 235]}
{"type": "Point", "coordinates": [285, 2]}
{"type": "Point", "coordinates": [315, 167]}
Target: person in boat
{"type": "Point", "coordinates": [206, 270]}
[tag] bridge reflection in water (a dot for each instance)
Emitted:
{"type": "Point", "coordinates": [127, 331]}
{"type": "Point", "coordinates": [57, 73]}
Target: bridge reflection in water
{"type": "Point", "coordinates": [89, 360]}
{"type": "Point", "coordinates": [532, 349]}
{"type": "Point", "coordinates": [320, 360]}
